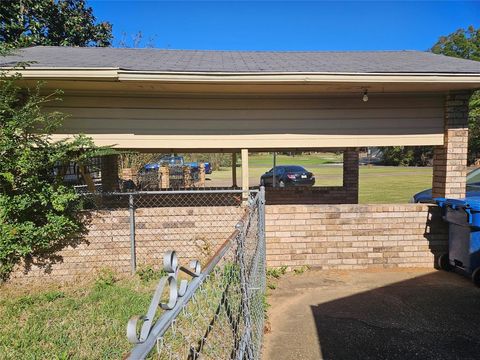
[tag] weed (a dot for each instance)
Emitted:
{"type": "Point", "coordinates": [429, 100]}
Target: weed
{"type": "Point", "coordinates": [53, 295]}
{"type": "Point", "coordinates": [276, 272]}
{"type": "Point", "coordinates": [301, 270]}
{"type": "Point", "coordinates": [106, 278]}
{"type": "Point", "coordinates": [147, 274]}
{"type": "Point", "coordinates": [271, 286]}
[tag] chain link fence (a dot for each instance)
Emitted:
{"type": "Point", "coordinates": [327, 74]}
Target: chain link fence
{"type": "Point", "coordinates": [212, 313]}
{"type": "Point", "coordinates": [128, 232]}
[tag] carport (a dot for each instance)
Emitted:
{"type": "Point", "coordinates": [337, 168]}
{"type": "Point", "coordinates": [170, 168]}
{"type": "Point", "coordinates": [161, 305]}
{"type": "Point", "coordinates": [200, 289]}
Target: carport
{"type": "Point", "coordinates": [238, 102]}
{"type": "Point", "coordinates": [241, 102]}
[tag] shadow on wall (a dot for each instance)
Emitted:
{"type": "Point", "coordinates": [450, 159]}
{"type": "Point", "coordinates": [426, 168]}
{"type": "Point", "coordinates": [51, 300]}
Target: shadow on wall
{"type": "Point", "coordinates": [436, 232]}
{"type": "Point", "coordinates": [429, 317]}
{"type": "Point", "coordinates": [46, 259]}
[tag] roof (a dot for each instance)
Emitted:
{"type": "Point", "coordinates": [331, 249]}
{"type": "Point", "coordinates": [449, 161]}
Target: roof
{"type": "Point", "coordinates": [191, 61]}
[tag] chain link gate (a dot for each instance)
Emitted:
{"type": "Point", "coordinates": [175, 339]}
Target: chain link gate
{"type": "Point", "coordinates": [212, 313]}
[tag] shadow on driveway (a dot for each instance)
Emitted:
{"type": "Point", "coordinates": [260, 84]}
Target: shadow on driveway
{"type": "Point", "coordinates": [433, 315]}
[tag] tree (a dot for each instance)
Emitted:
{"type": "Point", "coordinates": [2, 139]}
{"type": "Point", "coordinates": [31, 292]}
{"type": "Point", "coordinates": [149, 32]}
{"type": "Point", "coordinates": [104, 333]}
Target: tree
{"type": "Point", "coordinates": [26, 23]}
{"type": "Point", "coordinates": [465, 44]}
{"type": "Point", "coordinates": [407, 155]}
{"type": "Point", "coordinates": [38, 213]}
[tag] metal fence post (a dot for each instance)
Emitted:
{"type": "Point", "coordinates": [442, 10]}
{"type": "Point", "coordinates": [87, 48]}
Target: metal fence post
{"type": "Point", "coordinates": [131, 209]}
{"type": "Point", "coordinates": [261, 214]}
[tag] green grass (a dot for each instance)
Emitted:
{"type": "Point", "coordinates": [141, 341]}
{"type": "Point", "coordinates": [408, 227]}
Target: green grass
{"type": "Point", "coordinates": [313, 159]}
{"type": "Point", "coordinates": [378, 184]}
{"type": "Point", "coordinates": [82, 322]}
{"type": "Point", "coordinates": [392, 185]}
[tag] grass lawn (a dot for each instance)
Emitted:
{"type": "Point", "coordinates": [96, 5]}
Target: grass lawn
{"type": "Point", "coordinates": [378, 184]}
{"type": "Point", "coordinates": [314, 159]}
{"type": "Point", "coordinates": [390, 185]}
{"type": "Point", "coordinates": [81, 322]}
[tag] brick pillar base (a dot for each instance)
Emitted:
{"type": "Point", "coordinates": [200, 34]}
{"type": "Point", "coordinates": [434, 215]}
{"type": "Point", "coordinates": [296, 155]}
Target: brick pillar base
{"type": "Point", "coordinates": [350, 174]}
{"type": "Point", "coordinates": [109, 168]}
{"type": "Point", "coordinates": [450, 159]}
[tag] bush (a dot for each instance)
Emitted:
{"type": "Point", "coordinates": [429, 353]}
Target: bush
{"type": "Point", "coordinates": [38, 213]}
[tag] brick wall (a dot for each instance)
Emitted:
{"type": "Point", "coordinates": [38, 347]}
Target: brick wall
{"type": "Point", "coordinates": [354, 236]}
{"type": "Point", "coordinates": [326, 236]}
{"type": "Point", "coordinates": [194, 232]}
{"type": "Point", "coordinates": [450, 159]}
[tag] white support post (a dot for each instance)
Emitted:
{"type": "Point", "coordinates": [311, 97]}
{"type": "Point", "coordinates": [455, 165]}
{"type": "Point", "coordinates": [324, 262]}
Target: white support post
{"type": "Point", "coordinates": [245, 184]}
{"type": "Point", "coordinates": [234, 170]}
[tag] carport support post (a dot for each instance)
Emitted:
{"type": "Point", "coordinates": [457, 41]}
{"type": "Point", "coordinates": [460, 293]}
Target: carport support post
{"type": "Point", "coordinates": [351, 174]}
{"type": "Point", "coordinates": [109, 170]}
{"type": "Point", "coordinates": [245, 185]}
{"type": "Point", "coordinates": [450, 159]}
{"type": "Point", "coordinates": [234, 170]}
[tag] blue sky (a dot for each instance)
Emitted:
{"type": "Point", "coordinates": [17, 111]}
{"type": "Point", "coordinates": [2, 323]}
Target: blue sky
{"type": "Point", "coordinates": [287, 25]}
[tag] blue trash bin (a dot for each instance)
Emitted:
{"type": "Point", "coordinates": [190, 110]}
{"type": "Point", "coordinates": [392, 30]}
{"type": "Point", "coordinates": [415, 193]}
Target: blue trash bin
{"type": "Point", "coordinates": [463, 217]}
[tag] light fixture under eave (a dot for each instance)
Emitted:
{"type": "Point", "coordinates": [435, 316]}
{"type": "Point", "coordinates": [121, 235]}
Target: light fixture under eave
{"type": "Point", "coordinates": [365, 96]}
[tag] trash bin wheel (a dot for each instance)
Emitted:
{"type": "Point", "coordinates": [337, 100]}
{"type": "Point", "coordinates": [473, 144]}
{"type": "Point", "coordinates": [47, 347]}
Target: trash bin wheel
{"type": "Point", "coordinates": [444, 262]}
{"type": "Point", "coordinates": [476, 276]}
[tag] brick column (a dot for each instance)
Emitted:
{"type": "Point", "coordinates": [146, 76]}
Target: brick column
{"type": "Point", "coordinates": [350, 174]}
{"type": "Point", "coordinates": [450, 159]}
{"type": "Point", "coordinates": [164, 177]}
{"type": "Point", "coordinates": [109, 169]}
{"type": "Point", "coordinates": [202, 174]}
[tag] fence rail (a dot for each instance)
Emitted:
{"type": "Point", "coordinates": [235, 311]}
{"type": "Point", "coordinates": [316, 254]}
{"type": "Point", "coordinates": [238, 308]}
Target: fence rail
{"type": "Point", "coordinates": [214, 313]}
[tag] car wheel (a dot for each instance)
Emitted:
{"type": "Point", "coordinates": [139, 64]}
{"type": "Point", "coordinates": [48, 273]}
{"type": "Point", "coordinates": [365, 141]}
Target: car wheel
{"type": "Point", "coordinates": [444, 262]}
{"type": "Point", "coordinates": [476, 276]}
{"type": "Point", "coordinates": [281, 183]}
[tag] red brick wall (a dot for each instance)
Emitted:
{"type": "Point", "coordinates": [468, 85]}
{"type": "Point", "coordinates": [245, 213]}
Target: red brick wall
{"type": "Point", "coordinates": [354, 236]}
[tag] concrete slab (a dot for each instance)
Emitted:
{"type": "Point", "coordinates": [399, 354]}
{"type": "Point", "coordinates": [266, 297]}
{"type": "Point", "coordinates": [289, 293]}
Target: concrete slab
{"type": "Point", "coordinates": [374, 314]}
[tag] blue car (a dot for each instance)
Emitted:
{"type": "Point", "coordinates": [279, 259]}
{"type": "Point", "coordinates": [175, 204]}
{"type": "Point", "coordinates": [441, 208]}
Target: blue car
{"type": "Point", "coordinates": [473, 189]}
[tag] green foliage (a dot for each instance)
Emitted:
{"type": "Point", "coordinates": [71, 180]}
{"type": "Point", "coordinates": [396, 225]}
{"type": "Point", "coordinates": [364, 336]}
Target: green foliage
{"type": "Point", "coordinates": [38, 214]}
{"type": "Point", "coordinates": [465, 44]}
{"type": "Point", "coordinates": [407, 155]}
{"type": "Point", "coordinates": [105, 278]}
{"type": "Point", "coordinates": [147, 274]}
{"type": "Point", "coordinates": [474, 128]}
{"type": "Point", "coordinates": [301, 270]}
{"type": "Point", "coordinates": [46, 22]}
{"type": "Point", "coordinates": [276, 272]}
{"type": "Point", "coordinates": [216, 160]}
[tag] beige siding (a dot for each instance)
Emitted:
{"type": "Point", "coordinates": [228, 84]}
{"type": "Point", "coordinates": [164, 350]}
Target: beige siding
{"type": "Point", "coordinates": [257, 123]}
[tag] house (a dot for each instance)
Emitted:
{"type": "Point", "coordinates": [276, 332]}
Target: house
{"type": "Point", "coordinates": [241, 101]}
{"type": "Point", "coordinates": [244, 101]}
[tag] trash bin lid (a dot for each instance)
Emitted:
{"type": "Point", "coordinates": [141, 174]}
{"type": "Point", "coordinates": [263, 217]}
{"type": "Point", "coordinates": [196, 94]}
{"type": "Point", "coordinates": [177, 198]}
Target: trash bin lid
{"type": "Point", "coordinates": [470, 202]}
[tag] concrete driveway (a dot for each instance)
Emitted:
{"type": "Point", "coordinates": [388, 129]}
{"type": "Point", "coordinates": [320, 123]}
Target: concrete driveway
{"type": "Point", "coordinates": [380, 314]}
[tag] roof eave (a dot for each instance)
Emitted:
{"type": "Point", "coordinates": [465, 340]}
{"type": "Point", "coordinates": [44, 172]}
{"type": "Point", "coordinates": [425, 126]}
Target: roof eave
{"type": "Point", "coordinates": [116, 74]}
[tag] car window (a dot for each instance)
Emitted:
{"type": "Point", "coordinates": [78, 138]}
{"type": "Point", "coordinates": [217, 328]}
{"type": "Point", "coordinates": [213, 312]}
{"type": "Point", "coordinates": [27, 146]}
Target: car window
{"type": "Point", "coordinates": [473, 176]}
{"type": "Point", "coordinates": [295, 169]}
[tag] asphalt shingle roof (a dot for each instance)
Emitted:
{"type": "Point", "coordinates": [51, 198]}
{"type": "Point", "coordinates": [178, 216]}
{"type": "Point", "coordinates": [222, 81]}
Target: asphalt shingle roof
{"type": "Point", "coordinates": [242, 61]}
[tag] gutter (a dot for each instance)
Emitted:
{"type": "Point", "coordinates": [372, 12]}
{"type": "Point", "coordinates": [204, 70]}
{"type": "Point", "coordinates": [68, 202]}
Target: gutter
{"type": "Point", "coordinates": [117, 74]}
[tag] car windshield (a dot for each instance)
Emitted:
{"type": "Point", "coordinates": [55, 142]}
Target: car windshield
{"type": "Point", "coordinates": [473, 176]}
